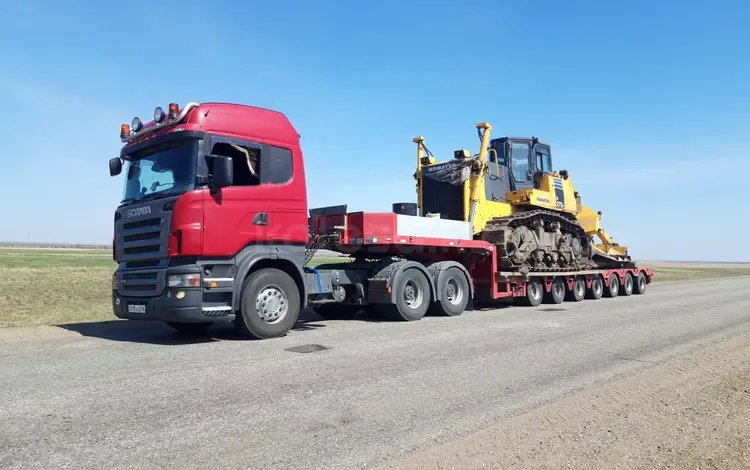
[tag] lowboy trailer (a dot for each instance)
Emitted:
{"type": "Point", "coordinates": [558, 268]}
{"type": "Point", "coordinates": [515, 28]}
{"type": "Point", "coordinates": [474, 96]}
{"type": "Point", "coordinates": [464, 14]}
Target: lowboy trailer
{"type": "Point", "coordinates": [214, 227]}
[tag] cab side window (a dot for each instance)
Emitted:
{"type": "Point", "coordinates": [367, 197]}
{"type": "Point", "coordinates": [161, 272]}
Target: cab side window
{"type": "Point", "coordinates": [254, 165]}
{"type": "Point", "coordinates": [543, 160]}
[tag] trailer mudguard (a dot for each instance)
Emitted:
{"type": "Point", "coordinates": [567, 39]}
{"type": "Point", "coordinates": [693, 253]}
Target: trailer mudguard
{"type": "Point", "coordinates": [388, 276]}
{"type": "Point", "coordinates": [436, 270]}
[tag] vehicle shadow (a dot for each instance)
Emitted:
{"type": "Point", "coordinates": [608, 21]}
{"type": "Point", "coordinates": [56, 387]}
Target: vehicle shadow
{"type": "Point", "coordinates": [152, 332]}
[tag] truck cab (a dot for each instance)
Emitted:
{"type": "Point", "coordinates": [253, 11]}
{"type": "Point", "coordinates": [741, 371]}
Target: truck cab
{"type": "Point", "coordinates": [210, 192]}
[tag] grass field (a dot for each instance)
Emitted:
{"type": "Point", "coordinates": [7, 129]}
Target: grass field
{"type": "Point", "coordinates": [59, 286]}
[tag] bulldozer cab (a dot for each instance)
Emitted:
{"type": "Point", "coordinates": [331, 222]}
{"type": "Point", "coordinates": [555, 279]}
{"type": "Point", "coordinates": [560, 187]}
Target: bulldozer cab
{"type": "Point", "coordinates": [467, 185]}
{"type": "Point", "coordinates": [525, 160]}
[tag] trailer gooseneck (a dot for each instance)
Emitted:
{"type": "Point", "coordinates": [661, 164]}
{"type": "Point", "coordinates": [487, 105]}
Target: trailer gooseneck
{"type": "Point", "coordinates": [214, 226]}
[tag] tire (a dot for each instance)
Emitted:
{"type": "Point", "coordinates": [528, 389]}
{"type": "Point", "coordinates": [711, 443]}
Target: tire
{"type": "Point", "coordinates": [556, 294]}
{"type": "Point", "coordinates": [335, 311]}
{"type": "Point", "coordinates": [191, 328]}
{"type": "Point", "coordinates": [627, 285]}
{"type": "Point", "coordinates": [613, 288]}
{"type": "Point", "coordinates": [270, 293]}
{"type": "Point", "coordinates": [578, 292]}
{"type": "Point", "coordinates": [534, 293]}
{"type": "Point", "coordinates": [412, 292]}
{"type": "Point", "coordinates": [640, 284]}
{"type": "Point", "coordinates": [454, 294]}
{"type": "Point", "coordinates": [596, 290]}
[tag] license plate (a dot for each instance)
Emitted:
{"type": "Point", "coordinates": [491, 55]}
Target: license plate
{"type": "Point", "coordinates": [133, 308]}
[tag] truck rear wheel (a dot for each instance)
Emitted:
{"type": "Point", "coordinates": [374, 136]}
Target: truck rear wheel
{"type": "Point", "coordinates": [412, 293]}
{"type": "Point", "coordinates": [269, 304]}
{"type": "Point", "coordinates": [454, 293]}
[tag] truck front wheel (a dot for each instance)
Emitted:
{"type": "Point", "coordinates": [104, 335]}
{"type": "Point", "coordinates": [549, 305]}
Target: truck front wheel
{"type": "Point", "coordinates": [269, 304]}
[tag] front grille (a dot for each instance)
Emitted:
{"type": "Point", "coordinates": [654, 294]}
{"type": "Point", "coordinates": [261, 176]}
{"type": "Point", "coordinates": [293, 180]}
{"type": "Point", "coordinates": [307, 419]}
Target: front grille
{"type": "Point", "coordinates": [142, 248]}
{"type": "Point", "coordinates": [444, 198]}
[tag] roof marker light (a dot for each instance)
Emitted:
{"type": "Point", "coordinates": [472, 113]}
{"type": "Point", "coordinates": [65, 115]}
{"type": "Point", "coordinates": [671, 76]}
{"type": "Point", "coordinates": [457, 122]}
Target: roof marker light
{"type": "Point", "coordinates": [137, 125]}
{"type": "Point", "coordinates": [174, 110]}
{"type": "Point", "coordinates": [159, 114]}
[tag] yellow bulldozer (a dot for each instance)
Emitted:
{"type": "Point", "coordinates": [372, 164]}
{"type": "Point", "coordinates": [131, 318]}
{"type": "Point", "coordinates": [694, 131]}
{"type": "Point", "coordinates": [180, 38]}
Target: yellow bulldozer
{"type": "Point", "coordinates": [512, 198]}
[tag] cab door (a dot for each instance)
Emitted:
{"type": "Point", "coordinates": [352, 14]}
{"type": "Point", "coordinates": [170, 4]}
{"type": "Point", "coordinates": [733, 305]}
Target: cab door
{"type": "Point", "coordinates": [237, 215]}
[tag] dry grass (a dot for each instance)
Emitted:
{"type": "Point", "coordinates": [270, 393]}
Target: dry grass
{"type": "Point", "coordinates": [58, 286]}
{"type": "Point", "coordinates": [54, 287]}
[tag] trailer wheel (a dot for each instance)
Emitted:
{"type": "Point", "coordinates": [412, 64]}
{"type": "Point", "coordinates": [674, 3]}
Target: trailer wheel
{"type": "Point", "coordinates": [627, 285]}
{"type": "Point", "coordinates": [454, 294]}
{"type": "Point", "coordinates": [412, 292]}
{"type": "Point", "coordinates": [640, 284]}
{"type": "Point", "coordinates": [613, 288]}
{"type": "Point", "coordinates": [578, 292]}
{"type": "Point", "coordinates": [596, 290]}
{"type": "Point", "coordinates": [534, 293]}
{"type": "Point", "coordinates": [556, 294]}
{"type": "Point", "coordinates": [269, 304]}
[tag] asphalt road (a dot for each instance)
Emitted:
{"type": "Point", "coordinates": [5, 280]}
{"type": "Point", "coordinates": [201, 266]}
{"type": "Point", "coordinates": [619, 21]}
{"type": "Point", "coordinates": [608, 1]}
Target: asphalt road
{"type": "Point", "coordinates": [115, 396]}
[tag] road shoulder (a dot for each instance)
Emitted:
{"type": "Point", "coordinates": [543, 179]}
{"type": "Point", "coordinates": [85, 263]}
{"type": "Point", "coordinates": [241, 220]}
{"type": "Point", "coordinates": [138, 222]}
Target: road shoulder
{"type": "Point", "coordinates": [690, 412]}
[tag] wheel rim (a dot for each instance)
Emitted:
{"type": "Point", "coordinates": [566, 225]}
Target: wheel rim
{"type": "Point", "coordinates": [534, 290]}
{"type": "Point", "coordinates": [641, 283]}
{"type": "Point", "coordinates": [413, 295]}
{"type": "Point", "coordinates": [628, 284]}
{"type": "Point", "coordinates": [271, 304]}
{"type": "Point", "coordinates": [453, 292]}
{"type": "Point", "coordinates": [598, 286]}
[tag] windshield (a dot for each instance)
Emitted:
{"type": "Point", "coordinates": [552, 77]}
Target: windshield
{"type": "Point", "coordinates": [169, 168]}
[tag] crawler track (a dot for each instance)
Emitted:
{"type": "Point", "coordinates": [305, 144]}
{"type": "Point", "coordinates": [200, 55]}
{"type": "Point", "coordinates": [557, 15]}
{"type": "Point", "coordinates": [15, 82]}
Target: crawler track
{"type": "Point", "coordinates": [542, 241]}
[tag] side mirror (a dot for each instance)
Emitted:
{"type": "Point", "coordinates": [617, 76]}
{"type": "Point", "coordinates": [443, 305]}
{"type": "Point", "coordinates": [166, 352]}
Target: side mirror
{"type": "Point", "coordinates": [115, 166]}
{"type": "Point", "coordinates": [223, 171]}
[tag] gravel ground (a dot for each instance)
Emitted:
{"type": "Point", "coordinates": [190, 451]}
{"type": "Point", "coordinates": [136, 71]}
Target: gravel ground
{"type": "Point", "coordinates": [127, 395]}
{"type": "Point", "coordinates": [691, 413]}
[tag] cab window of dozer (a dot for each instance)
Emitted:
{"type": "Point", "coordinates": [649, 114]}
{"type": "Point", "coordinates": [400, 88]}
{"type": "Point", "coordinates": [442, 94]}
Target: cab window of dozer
{"type": "Point", "coordinates": [253, 166]}
{"type": "Point", "coordinates": [543, 160]}
{"type": "Point", "coordinates": [519, 160]}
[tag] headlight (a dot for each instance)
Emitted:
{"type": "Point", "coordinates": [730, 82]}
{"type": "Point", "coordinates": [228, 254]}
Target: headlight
{"type": "Point", "coordinates": [184, 280]}
{"type": "Point", "coordinates": [114, 280]}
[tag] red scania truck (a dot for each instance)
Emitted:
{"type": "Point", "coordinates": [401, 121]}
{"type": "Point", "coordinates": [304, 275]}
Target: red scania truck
{"type": "Point", "coordinates": [213, 226]}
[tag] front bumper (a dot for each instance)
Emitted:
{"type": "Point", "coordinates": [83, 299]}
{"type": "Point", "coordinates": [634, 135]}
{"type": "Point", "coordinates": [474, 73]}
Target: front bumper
{"type": "Point", "coordinates": [169, 308]}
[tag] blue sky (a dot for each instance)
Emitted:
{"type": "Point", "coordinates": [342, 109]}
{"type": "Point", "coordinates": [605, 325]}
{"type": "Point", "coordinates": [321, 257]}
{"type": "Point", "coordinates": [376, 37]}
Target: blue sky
{"type": "Point", "coordinates": [645, 103]}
